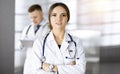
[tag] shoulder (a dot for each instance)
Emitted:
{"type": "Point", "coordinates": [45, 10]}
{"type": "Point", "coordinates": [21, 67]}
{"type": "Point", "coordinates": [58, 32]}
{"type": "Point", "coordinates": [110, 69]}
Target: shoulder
{"type": "Point", "coordinates": [44, 22]}
{"type": "Point", "coordinates": [45, 26]}
{"type": "Point", "coordinates": [77, 39]}
{"type": "Point", "coordinates": [79, 43]}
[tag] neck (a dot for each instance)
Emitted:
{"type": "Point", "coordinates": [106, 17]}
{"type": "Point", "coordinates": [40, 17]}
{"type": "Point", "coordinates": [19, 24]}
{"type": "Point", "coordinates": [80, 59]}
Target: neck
{"type": "Point", "coordinates": [59, 36]}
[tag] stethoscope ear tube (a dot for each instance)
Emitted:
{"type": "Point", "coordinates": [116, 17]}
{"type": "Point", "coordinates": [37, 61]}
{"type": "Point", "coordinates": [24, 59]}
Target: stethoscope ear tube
{"type": "Point", "coordinates": [71, 40]}
{"type": "Point", "coordinates": [43, 47]}
{"type": "Point", "coordinates": [28, 30]}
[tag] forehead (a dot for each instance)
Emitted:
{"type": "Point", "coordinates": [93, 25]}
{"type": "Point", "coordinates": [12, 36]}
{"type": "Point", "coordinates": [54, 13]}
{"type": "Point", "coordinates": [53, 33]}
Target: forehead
{"type": "Point", "coordinates": [59, 9]}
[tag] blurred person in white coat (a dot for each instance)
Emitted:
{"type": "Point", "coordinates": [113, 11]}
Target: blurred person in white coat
{"type": "Point", "coordinates": [58, 52]}
{"type": "Point", "coordinates": [38, 27]}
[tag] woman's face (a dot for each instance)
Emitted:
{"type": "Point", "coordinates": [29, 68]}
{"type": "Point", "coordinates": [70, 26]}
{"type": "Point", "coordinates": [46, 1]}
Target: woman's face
{"type": "Point", "coordinates": [58, 18]}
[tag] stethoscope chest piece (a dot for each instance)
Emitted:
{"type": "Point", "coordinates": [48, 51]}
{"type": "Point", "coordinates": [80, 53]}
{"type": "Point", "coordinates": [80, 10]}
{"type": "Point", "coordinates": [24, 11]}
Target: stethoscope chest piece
{"type": "Point", "coordinates": [70, 50]}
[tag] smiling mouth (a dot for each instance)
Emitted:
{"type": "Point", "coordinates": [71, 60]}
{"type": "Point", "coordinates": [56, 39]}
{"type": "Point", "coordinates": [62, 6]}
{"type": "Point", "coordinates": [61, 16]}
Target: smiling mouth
{"type": "Point", "coordinates": [58, 23]}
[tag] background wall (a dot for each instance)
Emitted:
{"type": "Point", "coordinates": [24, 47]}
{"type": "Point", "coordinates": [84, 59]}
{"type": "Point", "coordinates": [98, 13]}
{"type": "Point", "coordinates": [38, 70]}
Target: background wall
{"type": "Point", "coordinates": [7, 36]}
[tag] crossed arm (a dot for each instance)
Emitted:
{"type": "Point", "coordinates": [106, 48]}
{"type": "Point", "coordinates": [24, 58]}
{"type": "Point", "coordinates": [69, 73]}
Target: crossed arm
{"type": "Point", "coordinates": [45, 66]}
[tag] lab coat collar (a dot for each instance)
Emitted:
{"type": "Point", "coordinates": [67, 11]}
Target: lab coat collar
{"type": "Point", "coordinates": [50, 36]}
{"type": "Point", "coordinates": [43, 22]}
{"type": "Point", "coordinates": [66, 37]}
{"type": "Point", "coordinates": [64, 44]}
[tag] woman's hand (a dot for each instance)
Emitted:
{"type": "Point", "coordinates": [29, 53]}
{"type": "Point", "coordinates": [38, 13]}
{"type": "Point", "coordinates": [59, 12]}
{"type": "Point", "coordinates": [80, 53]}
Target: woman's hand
{"type": "Point", "coordinates": [45, 67]}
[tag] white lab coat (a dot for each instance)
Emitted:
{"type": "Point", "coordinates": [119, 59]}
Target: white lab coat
{"type": "Point", "coordinates": [56, 56]}
{"type": "Point", "coordinates": [30, 34]}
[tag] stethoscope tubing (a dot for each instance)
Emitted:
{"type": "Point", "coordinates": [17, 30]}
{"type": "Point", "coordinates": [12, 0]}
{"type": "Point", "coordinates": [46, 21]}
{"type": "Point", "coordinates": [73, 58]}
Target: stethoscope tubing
{"type": "Point", "coordinates": [28, 29]}
{"type": "Point", "coordinates": [43, 47]}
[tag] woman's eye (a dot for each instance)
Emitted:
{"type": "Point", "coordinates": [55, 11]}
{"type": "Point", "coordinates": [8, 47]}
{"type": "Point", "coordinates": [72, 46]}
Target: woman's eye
{"type": "Point", "coordinates": [63, 15]}
{"type": "Point", "coordinates": [53, 15]}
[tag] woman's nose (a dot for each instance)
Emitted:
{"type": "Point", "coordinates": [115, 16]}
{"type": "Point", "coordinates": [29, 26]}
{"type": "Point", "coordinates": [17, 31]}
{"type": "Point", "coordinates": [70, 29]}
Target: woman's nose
{"type": "Point", "coordinates": [59, 18]}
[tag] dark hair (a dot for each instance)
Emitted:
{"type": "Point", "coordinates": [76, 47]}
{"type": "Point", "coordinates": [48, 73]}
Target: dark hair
{"type": "Point", "coordinates": [55, 5]}
{"type": "Point", "coordinates": [34, 7]}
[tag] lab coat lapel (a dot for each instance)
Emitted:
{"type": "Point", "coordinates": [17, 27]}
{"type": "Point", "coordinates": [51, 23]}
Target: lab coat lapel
{"type": "Point", "coordinates": [65, 43]}
{"type": "Point", "coordinates": [53, 42]}
{"type": "Point", "coordinates": [39, 32]}
{"type": "Point", "coordinates": [42, 25]}
{"type": "Point", "coordinates": [53, 45]}
{"type": "Point", "coordinates": [31, 34]}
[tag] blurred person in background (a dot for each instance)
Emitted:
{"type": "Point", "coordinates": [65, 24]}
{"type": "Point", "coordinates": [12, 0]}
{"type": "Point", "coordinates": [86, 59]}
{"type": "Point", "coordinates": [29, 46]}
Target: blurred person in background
{"type": "Point", "coordinates": [37, 29]}
{"type": "Point", "coordinates": [38, 26]}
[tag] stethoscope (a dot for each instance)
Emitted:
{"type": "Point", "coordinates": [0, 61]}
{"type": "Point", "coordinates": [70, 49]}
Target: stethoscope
{"type": "Point", "coordinates": [43, 58]}
{"type": "Point", "coordinates": [28, 30]}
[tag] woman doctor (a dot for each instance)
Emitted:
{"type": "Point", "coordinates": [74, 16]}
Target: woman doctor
{"type": "Point", "coordinates": [58, 52]}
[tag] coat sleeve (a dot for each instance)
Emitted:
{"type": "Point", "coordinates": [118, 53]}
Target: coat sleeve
{"type": "Point", "coordinates": [80, 66]}
{"type": "Point", "coordinates": [23, 36]}
{"type": "Point", "coordinates": [33, 62]}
